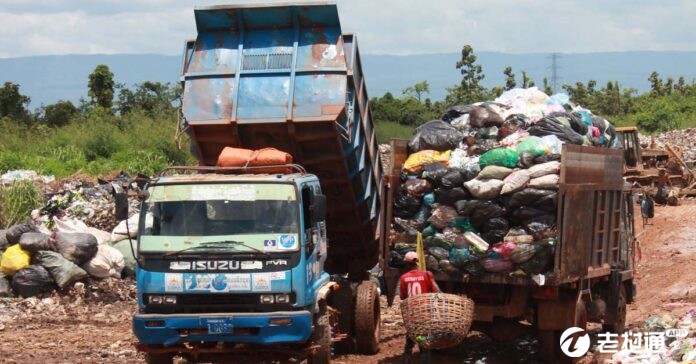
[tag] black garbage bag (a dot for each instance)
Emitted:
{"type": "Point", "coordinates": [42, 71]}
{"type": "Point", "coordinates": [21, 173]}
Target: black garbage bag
{"type": "Point", "coordinates": [396, 260]}
{"type": "Point", "coordinates": [466, 207]}
{"type": "Point", "coordinates": [526, 160]}
{"type": "Point", "coordinates": [547, 203]}
{"type": "Point", "coordinates": [63, 271]}
{"type": "Point", "coordinates": [473, 268]}
{"type": "Point", "coordinates": [431, 263]}
{"type": "Point", "coordinates": [494, 236]}
{"type": "Point", "coordinates": [541, 227]}
{"type": "Point", "coordinates": [32, 280]}
{"type": "Point", "coordinates": [550, 126]}
{"type": "Point", "coordinates": [485, 211]}
{"type": "Point", "coordinates": [435, 135]}
{"type": "Point", "coordinates": [448, 196]}
{"type": "Point", "coordinates": [417, 187]}
{"type": "Point", "coordinates": [78, 248]}
{"type": "Point", "coordinates": [438, 252]}
{"type": "Point", "coordinates": [405, 206]}
{"type": "Point", "coordinates": [572, 119]}
{"type": "Point", "coordinates": [3, 240]}
{"type": "Point", "coordinates": [433, 173]}
{"type": "Point", "coordinates": [541, 262]}
{"type": "Point", "coordinates": [547, 158]}
{"type": "Point", "coordinates": [496, 223]}
{"type": "Point", "coordinates": [453, 178]}
{"type": "Point", "coordinates": [408, 226]}
{"type": "Point", "coordinates": [527, 196]}
{"type": "Point", "coordinates": [15, 231]}
{"type": "Point", "coordinates": [525, 213]}
{"type": "Point", "coordinates": [5, 289]}
{"type": "Point", "coordinates": [512, 124]}
{"type": "Point", "coordinates": [484, 116]}
{"type": "Point", "coordinates": [456, 111]}
{"type": "Point", "coordinates": [449, 268]}
{"type": "Point", "coordinates": [33, 242]}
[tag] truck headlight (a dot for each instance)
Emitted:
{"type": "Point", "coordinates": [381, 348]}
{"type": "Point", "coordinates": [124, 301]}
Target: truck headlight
{"type": "Point", "coordinates": [267, 298]}
{"type": "Point", "coordinates": [155, 300]}
{"type": "Point", "coordinates": [282, 298]}
{"type": "Point", "coordinates": [170, 300]}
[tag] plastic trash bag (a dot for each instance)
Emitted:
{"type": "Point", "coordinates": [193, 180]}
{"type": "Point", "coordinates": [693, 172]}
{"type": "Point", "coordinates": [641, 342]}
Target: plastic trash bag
{"type": "Point", "coordinates": [462, 224]}
{"type": "Point", "coordinates": [124, 247]}
{"type": "Point", "coordinates": [122, 230]}
{"type": "Point", "coordinates": [5, 289]}
{"type": "Point", "coordinates": [548, 203]}
{"type": "Point", "coordinates": [433, 173]}
{"type": "Point", "coordinates": [516, 181]}
{"type": "Point", "coordinates": [442, 216]}
{"type": "Point", "coordinates": [417, 187]}
{"type": "Point", "coordinates": [504, 249]}
{"type": "Point", "coordinates": [453, 178]}
{"type": "Point", "coordinates": [540, 262]}
{"type": "Point", "coordinates": [410, 227]}
{"type": "Point", "coordinates": [33, 242]}
{"type": "Point", "coordinates": [503, 157]}
{"type": "Point", "coordinates": [547, 158]}
{"type": "Point", "coordinates": [406, 206]}
{"type": "Point", "coordinates": [437, 240]}
{"type": "Point", "coordinates": [570, 119]}
{"type": "Point", "coordinates": [456, 111]}
{"type": "Point", "coordinates": [526, 160]}
{"type": "Point", "coordinates": [477, 244]}
{"type": "Point", "coordinates": [496, 223]}
{"type": "Point", "coordinates": [3, 240]}
{"type": "Point", "coordinates": [466, 207]}
{"type": "Point", "coordinates": [524, 252]}
{"type": "Point", "coordinates": [547, 182]}
{"type": "Point", "coordinates": [552, 144]}
{"type": "Point", "coordinates": [558, 99]}
{"type": "Point", "coordinates": [548, 126]}
{"type": "Point", "coordinates": [484, 115]}
{"type": "Point", "coordinates": [14, 232]}
{"type": "Point", "coordinates": [494, 172]}
{"type": "Point", "coordinates": [415, 162]}
{"type": "Point", "coordinates": [78, 248]}
{"type": "Point", "coordinates": [484, 211]}
{"type": "Point", "coordinates": [512, 124]}
{"type": "Point", "coordinates": [526, 213]}
{"type": "Point", "coordinates": [542, 227]}
{"type": "Point", "coordinates": [449, 268]}
{"type": "Point", "coordinates": [543, 169]}
{"type": "Point", "coordinates": [63, 271]}
{"type": "Point", "coordinates": [460, 159]}
{"type": "Point", "coordinates": [494, 236]}
{"type": "Point", "coordinates": [13, 260]}
{"type": "Point", "coordinates": [438, 252]}
{"type": "Point", "coordinates": [429, 231]}
{"type": "Point", "coordinates": [422, 216]}
{"type": "Point", "coordinates": [429, 199]}
{"type": "Point", "coordinates": [475, 269]}
{"type": "Point", "coordinates": [497, 265]}
{"type": "Point", "coordinates": [77, 226]}
{"type": "Point", "coordinates": [525, 197]}
{"type": "Point", "coordinates": [107, 263]}
{"type": "Point", "coordinates": [460, 257]}
{"type": "Point", "coordinates": [435, 135]}
{"type": "Point", "coordinates": [484, 189]}
{"type": "Point", "coordinates": [647, 207]}
{"type": "Point", "coordinates": [32, 280]}
{"type": "Point", "coordinates": [532, 145]}
{"type": "Point", "coordinates": [431, 263]}
{"type": "Point", "coordinates": [450, 196]}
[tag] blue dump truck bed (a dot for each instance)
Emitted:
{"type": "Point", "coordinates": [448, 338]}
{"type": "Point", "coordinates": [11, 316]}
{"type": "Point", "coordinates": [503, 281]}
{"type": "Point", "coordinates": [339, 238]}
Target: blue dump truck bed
{"type": "Point", "coordinates": [285, 76]}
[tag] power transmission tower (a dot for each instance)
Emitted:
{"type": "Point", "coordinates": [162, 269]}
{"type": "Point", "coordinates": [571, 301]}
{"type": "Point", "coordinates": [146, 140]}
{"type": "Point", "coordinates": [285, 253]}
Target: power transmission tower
{"type": "Point", "coordinates": [554, 70]}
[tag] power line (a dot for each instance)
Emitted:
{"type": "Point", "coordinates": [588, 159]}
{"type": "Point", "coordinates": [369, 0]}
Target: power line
{"type": "Point", "coordinates": [554, 70]}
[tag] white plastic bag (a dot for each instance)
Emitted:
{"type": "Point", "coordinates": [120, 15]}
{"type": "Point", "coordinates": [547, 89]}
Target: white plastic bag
{"type": "Point", "coordinates": [120, 231]}
{"type": "Point", "coordinates": [484, 189]}
{"type": "Point", "coordinates": [107, 263]}
{"type": "Point", "coordinates": [543, 169]}
{"type": "Point", "coordinates": [77, 226]}
{"type": "Point", "coordinates": [547, 182]}
{"type": "Point", "coordinates": [515, 181]}
{"type": "Point", "coordinates": [552, 143]}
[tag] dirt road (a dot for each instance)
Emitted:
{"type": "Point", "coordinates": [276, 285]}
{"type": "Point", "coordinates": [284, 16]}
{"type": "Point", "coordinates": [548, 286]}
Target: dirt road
{"type": "Point", "coordinates": [93, 326]}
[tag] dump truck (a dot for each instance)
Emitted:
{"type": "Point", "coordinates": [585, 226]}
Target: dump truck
{"type": "Point", "coordinates": [593, 266]}
{"type": "Point", "coordinates": [238, 261]}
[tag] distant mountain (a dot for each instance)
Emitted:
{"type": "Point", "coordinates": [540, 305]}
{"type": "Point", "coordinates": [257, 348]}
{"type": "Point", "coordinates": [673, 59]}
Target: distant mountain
{"type": "Point", "coordinates": [47, 79]}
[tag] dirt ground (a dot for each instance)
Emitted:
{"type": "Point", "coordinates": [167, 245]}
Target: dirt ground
{"type": "Point", "coordinates": [92, 325]}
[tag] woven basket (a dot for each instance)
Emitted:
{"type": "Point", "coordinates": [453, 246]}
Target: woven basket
{"type": "Point", "coordinates": [437, 320]}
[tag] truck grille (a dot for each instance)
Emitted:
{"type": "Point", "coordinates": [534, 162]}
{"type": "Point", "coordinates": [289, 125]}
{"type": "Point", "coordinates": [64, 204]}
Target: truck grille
{"type": "Point", "coordinates": [217, 303]}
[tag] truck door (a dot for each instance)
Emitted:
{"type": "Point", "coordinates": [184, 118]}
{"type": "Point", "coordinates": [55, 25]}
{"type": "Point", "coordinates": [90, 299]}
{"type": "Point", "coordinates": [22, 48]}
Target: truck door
{"type": "Point", "coordinates": [315, 236]}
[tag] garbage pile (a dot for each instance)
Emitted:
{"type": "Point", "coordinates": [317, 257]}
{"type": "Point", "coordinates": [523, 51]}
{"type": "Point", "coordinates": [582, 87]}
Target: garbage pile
{"type": "Point", "coordinates": [66, 242]}
{"type": "Point", "coordinates": [682, 139]}
{"type": "Point", "coordinates": [480, 186]}
{"type": "Point", "coordinates": [679, 347]}
{"type": "Point", "coordinates": [9, 177]}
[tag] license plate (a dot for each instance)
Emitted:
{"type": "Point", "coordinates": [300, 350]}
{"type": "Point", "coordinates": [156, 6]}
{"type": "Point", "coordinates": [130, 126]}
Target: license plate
{"type": "Point", "coordinates": [219, 326]}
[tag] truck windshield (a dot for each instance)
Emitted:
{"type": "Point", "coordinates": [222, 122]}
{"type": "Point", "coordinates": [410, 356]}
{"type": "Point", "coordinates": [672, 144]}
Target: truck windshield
{"type": "Point", "coordinates": [260, 216]}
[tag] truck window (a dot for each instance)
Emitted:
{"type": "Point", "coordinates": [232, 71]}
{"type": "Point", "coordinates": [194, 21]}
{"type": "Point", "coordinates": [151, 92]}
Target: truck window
{"type": "Point", "coordinates": [306, 201]}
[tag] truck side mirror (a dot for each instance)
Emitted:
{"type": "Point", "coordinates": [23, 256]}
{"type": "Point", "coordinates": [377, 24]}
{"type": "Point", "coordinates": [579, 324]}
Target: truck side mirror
{"type": "Point", "coordinates": [120, 203]}
{"type": "Point", "coordinates": [318, 208]}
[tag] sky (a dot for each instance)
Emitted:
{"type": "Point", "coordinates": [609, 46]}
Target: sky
{"type": "Point", "coordinates": [398, 27]}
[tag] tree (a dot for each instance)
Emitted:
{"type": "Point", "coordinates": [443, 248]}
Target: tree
{"type": "Point", "coordinates": [662, 115]}
{"type": "Point", "coordinates": [470, 89]}
{"type": "Point", "coordinates": [656, 86]}
{"type": "Point", "coordinates": [680, 87]}
{"type": "Point", "coordinates": [151, 97]}
{"type": "Point", "coordinates": [526, 81]}
{"type": "Point", "coordinates": [417, 90]}
{"type": "Point", "coordinates": [547, 88]}
{"type": "Point", "coordinates": [669, 86]}
{"type": "Point", "coordinates": [510, 82]}
{"type": "Point", "coordinates": [12, 103]}
{"type": "Point", "coordinates": [101, 86]}
{"type": "Point", "coordinates": [58, 114]}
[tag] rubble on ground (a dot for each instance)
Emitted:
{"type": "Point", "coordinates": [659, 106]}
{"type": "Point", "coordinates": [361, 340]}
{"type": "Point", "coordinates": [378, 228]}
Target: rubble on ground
{"type": "Point", "coordinates": [680, 139]}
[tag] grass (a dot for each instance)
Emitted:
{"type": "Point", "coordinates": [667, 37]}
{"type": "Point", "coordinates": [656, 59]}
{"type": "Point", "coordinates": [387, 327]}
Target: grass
{"type": "Point", "coordinates": [387, 130]}
{"type": "Point", "coordinates": [17, 201]}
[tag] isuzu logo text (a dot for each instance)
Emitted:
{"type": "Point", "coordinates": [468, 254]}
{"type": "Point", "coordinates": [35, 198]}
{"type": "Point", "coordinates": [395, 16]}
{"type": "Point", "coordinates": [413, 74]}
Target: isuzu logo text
{"type": "Point", "coordinates": [213, 265]}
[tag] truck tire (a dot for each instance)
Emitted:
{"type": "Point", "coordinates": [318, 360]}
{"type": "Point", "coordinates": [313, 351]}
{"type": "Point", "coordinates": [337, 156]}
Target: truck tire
{"type": "Point", "coordinates": [322, 355]}
{"type": "Point", "coordinates": [367, 318]}
{"type": "Point", "coordinates": [158, 358]}
{"type": "Point", "coordinates": [618, 324]}
{"type": "Point", "coordinates": [549, 340]}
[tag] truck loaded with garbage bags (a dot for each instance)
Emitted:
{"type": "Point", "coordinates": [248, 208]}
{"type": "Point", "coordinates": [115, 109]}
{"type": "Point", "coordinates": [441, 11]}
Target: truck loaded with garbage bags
{"type": "Point", "coordinates": [519, 204]}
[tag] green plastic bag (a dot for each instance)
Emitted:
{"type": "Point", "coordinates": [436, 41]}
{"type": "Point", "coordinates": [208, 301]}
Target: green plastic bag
{"type": "Point", "coordinates": [461, 223]}
{"type": "Point", "coordinates": [429, 231]}
{"type": "Point", "coordinates": [532, 145]}
{"type": "Point", "coordinates": [503, 157]}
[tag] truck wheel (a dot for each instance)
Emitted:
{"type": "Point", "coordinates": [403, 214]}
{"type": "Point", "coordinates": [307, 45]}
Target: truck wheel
{"type": "Point", "coordinates": [619, 322]}
{"type": "Point", "coordinates": [158, 358]}
{"type": "Point", "coordinates": [322, 355]}
{"type": "Point", "coordinates": [549, 340]}
{"type": "Point", "coordinates": [367, 318]}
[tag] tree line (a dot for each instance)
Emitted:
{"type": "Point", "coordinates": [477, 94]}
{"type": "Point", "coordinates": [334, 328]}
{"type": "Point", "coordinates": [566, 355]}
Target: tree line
{"type": "Point", "coordinates": [669, 104]}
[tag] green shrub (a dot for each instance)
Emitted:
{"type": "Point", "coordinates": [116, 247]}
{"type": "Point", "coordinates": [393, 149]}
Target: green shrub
{"type": "Point", "coordinates": [10, 161]}
{"type": "Point", "coordinates": [17, 201]}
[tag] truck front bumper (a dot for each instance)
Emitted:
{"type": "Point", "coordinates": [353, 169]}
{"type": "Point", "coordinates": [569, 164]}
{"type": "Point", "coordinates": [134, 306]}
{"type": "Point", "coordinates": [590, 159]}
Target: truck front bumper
{"type": "Point", "coordinates": [254, 328]}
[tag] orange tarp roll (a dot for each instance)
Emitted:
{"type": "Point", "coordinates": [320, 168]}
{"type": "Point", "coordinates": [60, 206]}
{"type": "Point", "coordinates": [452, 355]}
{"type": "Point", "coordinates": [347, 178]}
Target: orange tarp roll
{"type": "Point", "coordinates": [239, 157]}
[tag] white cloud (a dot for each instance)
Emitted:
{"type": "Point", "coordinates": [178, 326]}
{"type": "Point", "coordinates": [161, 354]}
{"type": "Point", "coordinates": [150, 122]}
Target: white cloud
{"type": "Point", "coordinates": [384, 27]}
